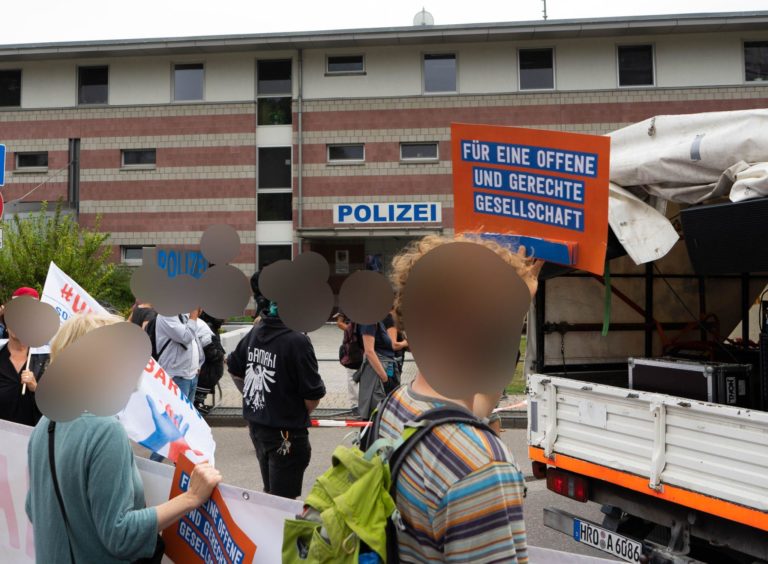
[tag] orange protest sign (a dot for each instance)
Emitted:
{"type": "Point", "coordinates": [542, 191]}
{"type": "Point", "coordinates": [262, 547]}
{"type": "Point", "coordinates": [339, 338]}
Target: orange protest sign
{"type": "Point", "coordinates": [545, 190]}
{"type": "Point", "coordinates": [207, 534]}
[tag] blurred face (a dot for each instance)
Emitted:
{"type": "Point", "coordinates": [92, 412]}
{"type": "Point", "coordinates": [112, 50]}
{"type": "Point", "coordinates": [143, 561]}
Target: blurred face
{"type": "Point", "coordinates": [464, 309]}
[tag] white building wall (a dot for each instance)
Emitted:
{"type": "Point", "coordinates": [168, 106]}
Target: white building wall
{"type": "Point", "coordinates": [48, 84]}
{"type": "Point", "coordinates": [230, 78]}
{"type": "Point", "coordinates": [687, 60]}
{"type": "Point", "coordinates": [139, 81]}
{"type": "Point", "coordinates": [711, 59]}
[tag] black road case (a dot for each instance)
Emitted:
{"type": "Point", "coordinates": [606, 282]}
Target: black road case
{"type": "Point", "coordinates": [714, 382]}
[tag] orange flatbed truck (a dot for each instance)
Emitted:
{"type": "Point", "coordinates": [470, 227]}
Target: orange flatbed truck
{"type": "Point", "coordinates": [680, 480]}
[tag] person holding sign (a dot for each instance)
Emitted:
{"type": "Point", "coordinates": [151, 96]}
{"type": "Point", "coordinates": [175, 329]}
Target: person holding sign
{"type": "Point", "coordinates": [19, 373]}
{"type": "Point", "coordinates": [86, 502]}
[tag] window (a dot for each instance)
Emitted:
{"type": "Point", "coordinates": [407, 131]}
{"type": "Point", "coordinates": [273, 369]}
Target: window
{"type": "Point", "coordinates": [440, 73]}
{"type": "Point", "coordinates": [10, 88]}
{"type": "Point", "coordinates": [274, 111]}
{"type": "Point", "coordinates": [93, 85]}
{"type": "Point", "coordinates": [273, 253]}
{"type": "Point", "coordinates": [537, 69]}
{"type": "Point", "coordinates": [418, 151]}
{"type": "Point", "coordinates": [188, 82]}
{"type": "Point", "coordinates": [139, 157]}
{"type": "Point", "coordinates": [32, 160]}
{"type": "Point", "coordinates": [273, 77]}
{"type": "Point", "coordinates": [275, 206]}
{"type": "Point", "coordinates": [274, 167]}
{"type": "Point", "coordinates": [756, 61]}
{"type": "Point", "coordinates": [345, 64]}
{"type": "Point", "coordinates": [636, 65]}
{"type": "Point", "coordinates": [346, 153]}
{"type": "Point", "coordinates": [133, 255]}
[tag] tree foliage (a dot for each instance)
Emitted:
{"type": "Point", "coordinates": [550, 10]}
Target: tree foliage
{"type": "Point", "coordinates": [30, 244]}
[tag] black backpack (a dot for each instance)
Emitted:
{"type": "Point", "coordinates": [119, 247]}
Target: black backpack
{"type": "Point", "coordinates": [351, 351]}
{"type": "Point", "coordinates": [151, 330]}
{"type": "Point", "coordinates": [213, 367]}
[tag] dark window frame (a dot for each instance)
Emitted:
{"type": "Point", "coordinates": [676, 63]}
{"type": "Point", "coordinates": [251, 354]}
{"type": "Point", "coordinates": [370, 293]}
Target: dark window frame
{"type": "Point", "coordinates": [329, 72]}
{"type": "Point", "coordinates": [271, 193]}
{"type": "Point", "coordinates": [21, 86]}
{"type": "Point", "coordinates": [259, 264]}
{"type": "Point", "coordinates": [283, 94]}
{"type": "Point", "coordinates": [20, 167]}
{"type": "Point", "coordinates": [79, 85]}
{"type": "Point", "coordinates": [763, 45]}
{"type": "Point", "coordinates": [259, 159]}
{"type": "Point", "coordinates": [619, 47]}
{"type": "Point", "coordinates": [173, 83]}
{"type": "Point", "coordinates": [444, 55]}
{"type": "Point", "coordinates": [434, 159]}
{"type": "Point", "coordinates": [329, 160]}
{"type": "Point", "coordinates": [137, 165]}
{"type": "Point", "coordinates": [520, 69]}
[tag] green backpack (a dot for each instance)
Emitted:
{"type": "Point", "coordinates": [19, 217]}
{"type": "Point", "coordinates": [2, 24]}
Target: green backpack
{"type": "Point", "coordinates": [350, 515]}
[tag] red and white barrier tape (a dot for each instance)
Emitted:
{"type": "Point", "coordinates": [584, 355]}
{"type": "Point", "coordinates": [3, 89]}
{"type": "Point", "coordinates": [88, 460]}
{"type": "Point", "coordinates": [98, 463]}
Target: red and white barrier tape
{"type": "Point", "coordinates": [334, 423]}
{"type": "Point", "coordinates": [511, 407]}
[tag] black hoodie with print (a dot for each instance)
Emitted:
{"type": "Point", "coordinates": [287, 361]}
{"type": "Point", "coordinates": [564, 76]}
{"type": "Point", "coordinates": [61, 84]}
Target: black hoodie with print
{"type": "Point", "coordinates": [280, 371]}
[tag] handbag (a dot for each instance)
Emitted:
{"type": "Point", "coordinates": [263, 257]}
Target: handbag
{"type": "Point", "coordinates": [157, 556]}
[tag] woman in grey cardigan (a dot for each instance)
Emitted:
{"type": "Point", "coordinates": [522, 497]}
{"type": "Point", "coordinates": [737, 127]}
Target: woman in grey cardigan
{"type": "Point", "coordinates": [99, 483]}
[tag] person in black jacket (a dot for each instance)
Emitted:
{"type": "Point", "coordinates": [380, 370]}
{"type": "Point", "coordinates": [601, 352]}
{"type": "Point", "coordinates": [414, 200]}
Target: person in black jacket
{"type": "Point", "coordinates": [282, 386]}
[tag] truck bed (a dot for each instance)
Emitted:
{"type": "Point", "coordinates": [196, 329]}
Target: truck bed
{"type": "Point", "coordinates": [712, 458]}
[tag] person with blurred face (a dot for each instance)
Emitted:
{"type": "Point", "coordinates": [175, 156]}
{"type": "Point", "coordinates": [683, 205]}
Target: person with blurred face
{"type": "Point", "coordinates": [105, 517]}
{"type": "Point", "coordinates": [18, 381]}
{"type": "Point", "coordinates": [460, 494]}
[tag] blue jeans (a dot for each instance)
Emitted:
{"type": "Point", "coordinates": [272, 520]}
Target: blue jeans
{"type": "Point", "coordinates": [187, 387]}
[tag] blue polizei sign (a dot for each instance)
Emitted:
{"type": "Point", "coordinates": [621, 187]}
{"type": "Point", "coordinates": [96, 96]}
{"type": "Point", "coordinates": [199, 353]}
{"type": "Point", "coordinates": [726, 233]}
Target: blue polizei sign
{"type": "Point", "coordinates": [389, 212]}
{"type": "Point", "coordinates": [2, 165]}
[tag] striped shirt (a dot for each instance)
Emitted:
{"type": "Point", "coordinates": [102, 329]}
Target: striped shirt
{"type": "Point", "coordinates": [460, 497]}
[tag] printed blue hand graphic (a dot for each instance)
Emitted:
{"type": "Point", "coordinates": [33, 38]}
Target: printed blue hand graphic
{"type": "Point", "coordinates": [168, 428]}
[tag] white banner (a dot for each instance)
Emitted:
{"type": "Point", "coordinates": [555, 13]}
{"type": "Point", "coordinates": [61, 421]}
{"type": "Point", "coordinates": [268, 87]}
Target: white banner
{"type": "Point", "coordinates": [259, 515]}
{"type": "Point", "coordinates": [157, 416]}
{"type": "Point", "coordinates": [161, 418]}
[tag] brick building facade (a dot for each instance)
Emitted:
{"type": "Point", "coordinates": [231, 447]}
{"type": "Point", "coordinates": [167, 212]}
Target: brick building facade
{"type": "Point", "coordinates": [268, 133]}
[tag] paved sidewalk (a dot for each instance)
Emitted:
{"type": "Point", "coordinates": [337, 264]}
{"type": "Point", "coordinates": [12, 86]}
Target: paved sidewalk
{"type": "Point", "coordinates": [326, 341]}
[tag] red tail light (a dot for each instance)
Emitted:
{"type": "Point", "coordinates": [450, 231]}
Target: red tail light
{"type": "Point", "coordinates": [570, 485]}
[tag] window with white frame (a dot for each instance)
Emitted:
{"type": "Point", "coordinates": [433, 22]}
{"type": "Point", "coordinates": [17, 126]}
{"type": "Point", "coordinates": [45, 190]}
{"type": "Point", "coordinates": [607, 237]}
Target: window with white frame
{"type": "Point", "coordinates": [346, 153]}
{"type": "Point", "coordinates": [756, 61]}
{"type": "Point", "coordinates": [188, 82]}
{"type": "Point", "coordinates": [440, 73]}
{"type": "Point", "coordinates": [345, 64]}
{"type": "Point", "coordinates": [133, 255]}
{"type": "Point", "coordinates": [536, 68]}
{"type": "Point", "coordinates": [419, 151]}
{"type": "Point", "coordinates": [37, 160]}
{"type": "Point", "coordinates": [635, 65]}
{"type": "Point", "coordinates": [138, 158]}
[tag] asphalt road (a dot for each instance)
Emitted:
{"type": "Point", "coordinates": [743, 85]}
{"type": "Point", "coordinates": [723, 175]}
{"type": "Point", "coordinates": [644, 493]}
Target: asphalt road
{"type": "Point", "coordinates": [236, 459]}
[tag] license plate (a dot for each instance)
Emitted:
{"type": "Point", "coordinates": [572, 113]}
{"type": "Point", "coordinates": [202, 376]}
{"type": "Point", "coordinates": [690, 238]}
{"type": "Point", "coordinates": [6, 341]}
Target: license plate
{"type": "Point", "coordinates": [607, 541]}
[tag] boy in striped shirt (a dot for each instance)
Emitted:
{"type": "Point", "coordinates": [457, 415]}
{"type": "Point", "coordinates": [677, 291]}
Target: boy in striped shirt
{"type": "Point", "coordinates": [459, 493]}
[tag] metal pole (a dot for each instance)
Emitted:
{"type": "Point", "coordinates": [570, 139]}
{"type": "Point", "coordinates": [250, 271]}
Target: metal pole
{"type": "Point", "coordinates": [545, 8]}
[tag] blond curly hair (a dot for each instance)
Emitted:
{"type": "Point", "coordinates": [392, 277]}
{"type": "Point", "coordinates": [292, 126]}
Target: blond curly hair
{"type": "Point", "coordinates": [403, 262]}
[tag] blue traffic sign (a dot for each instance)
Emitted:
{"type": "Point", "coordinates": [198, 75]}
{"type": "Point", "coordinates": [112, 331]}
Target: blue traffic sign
{"type": "Point", "coordinates": [2, 165]}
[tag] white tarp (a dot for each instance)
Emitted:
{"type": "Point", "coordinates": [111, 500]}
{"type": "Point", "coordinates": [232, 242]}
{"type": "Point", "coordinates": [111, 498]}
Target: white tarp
{"type": "Point", "coordinates": [645, 233]}
{"type": "Point", "coordinates": [691, 158]}
{"type": "Point", "coordinates": [686, 159]}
